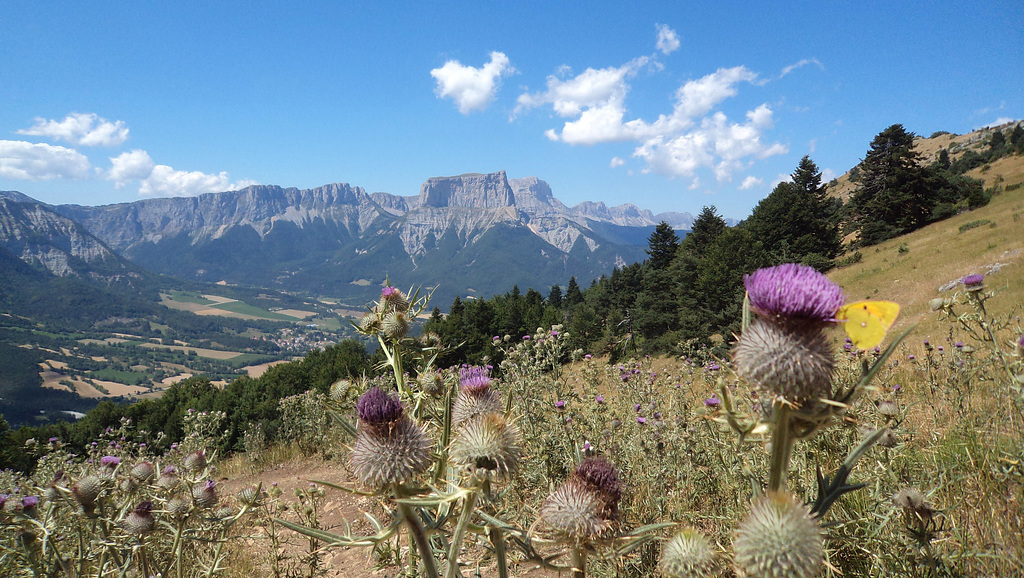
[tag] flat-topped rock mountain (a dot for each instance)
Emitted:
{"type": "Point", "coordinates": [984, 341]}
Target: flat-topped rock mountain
{"type": "Point", "coordinates": [471, 234]}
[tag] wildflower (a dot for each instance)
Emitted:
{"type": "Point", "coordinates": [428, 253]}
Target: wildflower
{"type": "Point", "coordinates": [913, 502]}
{"type": "Point", "coordinates": [140, 520]}
{"type": "Point", "coordinates": [110, 462]}
{"type": "Point", "coordinates": [588, 356]}
{"type": "Point", "coordinates": [488, 445]}
{"type": "Point", "coordinates": [714, 366]}
{"type": "Point", "coordinates": [560, 404]}
{"type": "Point", "coordinates": [475, 395]}
{"type": "Point", "coordinates": [779, 537]}
{"type": "Point", "coordinates": [712, 402]}
{"type": "Point", "coordinates": [389, 447]}
{"type": "Point", "coordinates": [599, 399]}
{"type": "Point", "coordinates": [911, 357]}
{"type": "Point", "coordinates": [636, 407]}
{"type": "Point", "coordinates": [688, 554]}
{"type": "Point", "coordinates": [641, 419]}
{"type": "Point", "coordinates": [204, 494]}
{"type": "Point", "coordinates": [975, 282]}
{"type": "Point", "coordinates": [959, 345]}
{"type": "Point", "coordinates": [784, 351]}
{"type": "Point", "coordinates": [1020, 345]}
{"type": "Point", "coordinates": [585, 506]}
{"type": "Point", "coordinates": [28, 504]}
{"type": "Point", "coordinates": [526, 338]}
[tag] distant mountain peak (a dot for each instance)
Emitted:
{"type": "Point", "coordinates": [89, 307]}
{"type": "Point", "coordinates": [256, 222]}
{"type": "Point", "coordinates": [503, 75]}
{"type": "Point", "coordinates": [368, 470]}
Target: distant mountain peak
{"type": "Point", "coordinates": [471, 190]}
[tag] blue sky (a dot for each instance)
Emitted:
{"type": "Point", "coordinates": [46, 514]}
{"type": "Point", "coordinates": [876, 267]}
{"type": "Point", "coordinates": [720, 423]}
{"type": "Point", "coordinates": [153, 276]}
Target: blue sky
{"type": "Point", "coordinates": [667, 105]}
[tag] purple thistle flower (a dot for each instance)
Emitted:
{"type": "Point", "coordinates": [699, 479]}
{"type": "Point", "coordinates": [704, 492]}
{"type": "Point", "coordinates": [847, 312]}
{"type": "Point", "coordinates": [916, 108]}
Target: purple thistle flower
{"type": "Point", "coordinates": [474, 380]}
{"type": "Point", "coordinates": [496, 338]}
{"type": "Point", "coordinates": [599, 399]}
{"type": "Point", "coordinates": [29, 502]}
{"type": "Point", "coordinates": [526, 338]}
{"type": "Point", "coordinates": [641, 419]}
{"type": "Point", "coordinates": [926, 344]}
{"type": "Point", "coordinates": [53, 440]}
{"type": "Point", "coordinates": [588, 356]}
{"type": "Point", "coordinates": [387, 292]}
{"type": "Point", "coordinates": [376, 407]}
{"type": "Point", "coordinates": [958, 344]}
{"type": "Point", "coordinates": [940, 348]}
{"type": "Point", "coordinates": [554, 333]}
{"type": "Point", "coordinates": [714, 366]}
{"type": "Point", "coordinates": [973, 280]}
{"type": "Point", "coordinates": [636, 407]}
{"type": "Point", "coordinates": [712, 402]}
{"type": "Point", "coordinates": [896, 388]}
{"type": "Point", "coordinates": [911, 357]}
{"type": "Point", "coordinates": [110, 461]}
{"type": "Point", "coordinates": [560, 404]}
{"type": "Point", "coordinates": [794, 290]}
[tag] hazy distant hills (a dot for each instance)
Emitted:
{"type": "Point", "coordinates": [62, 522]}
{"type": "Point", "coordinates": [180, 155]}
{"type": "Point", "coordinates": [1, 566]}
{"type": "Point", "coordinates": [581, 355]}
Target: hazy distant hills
{"type": "Point", "coordinates": [469, 234]}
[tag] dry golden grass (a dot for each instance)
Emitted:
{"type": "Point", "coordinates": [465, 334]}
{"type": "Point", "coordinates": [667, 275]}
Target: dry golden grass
{"type": "Point", "coordinates": [940, 254]}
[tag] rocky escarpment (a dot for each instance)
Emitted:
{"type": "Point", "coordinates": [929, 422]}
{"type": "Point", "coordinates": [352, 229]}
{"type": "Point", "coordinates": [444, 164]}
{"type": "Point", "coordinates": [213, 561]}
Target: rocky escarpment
{"type": "Point", "coordinates": [49, 241]}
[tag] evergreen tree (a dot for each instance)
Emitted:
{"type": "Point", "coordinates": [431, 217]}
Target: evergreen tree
{"type": "Point", "coordinates": [573, 295]}
{"type": "Point", "coordinates": [798, 221]}
{"type": "Point", "coordinates": [555, 297]}
{"type": "Point", "coordinates": [662, 245]}
{"type": "Point", "coordinates": [707, 227]}
{"type": "Point", "coordinates": [893, 197]}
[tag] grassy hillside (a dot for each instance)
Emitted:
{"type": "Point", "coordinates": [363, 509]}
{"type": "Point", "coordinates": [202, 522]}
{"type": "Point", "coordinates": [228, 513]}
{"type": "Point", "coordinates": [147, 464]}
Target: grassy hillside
{"type": "Point", "coordinates": [915, 268]}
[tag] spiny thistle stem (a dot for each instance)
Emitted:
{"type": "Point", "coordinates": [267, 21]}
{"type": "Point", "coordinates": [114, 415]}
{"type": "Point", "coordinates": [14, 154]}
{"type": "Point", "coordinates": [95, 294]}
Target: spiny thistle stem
{"type": "Point", "coordinates": [468, 505]}
{"type": "Point", "coordinates": [446, 434]}
{"type": "Point", "coordinates": [579, 561]}
{"type": "Point", "coordinates": [782, 447]}
{"type": "Point", "coordinates": [418, 535]}
{"type": "Point", "coordinates": [497, 538]}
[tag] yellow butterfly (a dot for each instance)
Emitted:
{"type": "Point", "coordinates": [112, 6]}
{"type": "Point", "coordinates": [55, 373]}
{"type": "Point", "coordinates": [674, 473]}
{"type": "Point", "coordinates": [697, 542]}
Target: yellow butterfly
{"type": "Point", "coordinates": [867, 321]}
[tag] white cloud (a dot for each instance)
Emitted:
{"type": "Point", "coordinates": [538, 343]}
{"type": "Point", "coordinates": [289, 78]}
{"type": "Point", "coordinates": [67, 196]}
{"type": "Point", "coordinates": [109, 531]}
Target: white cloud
{"type": "Point", "coordinates": [616, 162]}
{"type": "Point", "coordinates": [801, 64]}
{"type": "Point", "coordinates": [471, 88]}
{"type": "Point", "coordinates": [781, 178]}
{"type": "Point", "coordinates": [164, 181]}
{"type": "Point", "coordinates": [750, 182]}
{"type": "Point", "coordinates": [668, 40]}
{"type": "Point", "coordinates": [40, 162]}
{"type": "Point", "coordinates": [591, 88]}
{"type": "Point", "coordinates": [999, 121]}
{"type": "Point", "coordinates": [130, 166]}
{"type": "Point", "coordinates": [80, 129]}
{"type": "Point", "coordinates": [827, 175]}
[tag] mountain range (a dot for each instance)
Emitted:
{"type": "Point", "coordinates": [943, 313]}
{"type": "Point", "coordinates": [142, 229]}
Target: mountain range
{"type": "Point", "coordinates": [472, 234]}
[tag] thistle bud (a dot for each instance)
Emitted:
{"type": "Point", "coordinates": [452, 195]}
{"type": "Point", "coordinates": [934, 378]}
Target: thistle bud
{"type": "Point", "coordinates": [389, 447]}
{"type": "Point", "coordinates": [688, 554]}
{"type": "Point", "coordinates": [204, 494]}
{"type": "Point", "coordinates": [168, 479]}
{"type": "Point", "coordinates": [913, 502]}
{"type": "Point", "coordinates": [339, 389]}
{"type": "Point", "coordinates": [143, 471]}
{"type": "Point", "coordinates": [488, 445]}
{"type": "Point", "coordinates": [393, 299]}
{"type": "Point", "coordinates": [195, 461]}
{"type": "Point", "coordinates": [584, 508]}
{"type": "Point", "coordinates": [248, 496]}
{"type": "Point", "coordinates": [86, 491]}
{"type": "Point", "coordinates": [177, 507]}
{"type": "Point", "coordinates": [370, 323]}
{"type": "Point", "coordinates": [431, 383]}
{"type": "Point", "coordinates": [779, 538]}
{"type": "Point", "coordinates": [475, 395]}
{"type": "Point", "coordinates": [140, 520]}
{"type": "Point", "coordinates": [395, 324]}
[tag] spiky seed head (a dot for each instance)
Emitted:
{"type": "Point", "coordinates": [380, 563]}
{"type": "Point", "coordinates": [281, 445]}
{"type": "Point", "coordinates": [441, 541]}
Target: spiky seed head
{"type": "Point", "coordinates": [204, 494]}
{"type": "Point", "coordinates": [86, 491]}
{"type": "Point", "coordinates": [778, 539]}
{"type": "Point", "coordinates": [431, 383]}
{"type": "Point", "coordinates": [468, 405]}
{"type": "Point", "coordinates": [601, 477]}
{"type": "Point", "coordinates": [395, 324]}
{"type": "Point", "coordinates": [178, 506]}
{"type": "Point", "coordinates": [140, 520]}
{"type": "Point", "coordinates": [168, 480]}
{"type": "Point", "coordinates": [913, 502]}
{"type": "Point", "coordinates": [248, 495]}
{"type": "Point", "coordinates": [488, 445]}
{"type": "Point", "coordinates": [370, 323]}
{"type": "Point", "coordinates": [377, 408]}
{"type": "Point", "coordinates": [390, 453]}
{"type": "Point", "coordinates": [143, 471]}
{"type": "Point", "coordinates": [888, 408]}
{"type": "Point", "coordinates": [129, 485]}
{"type": "Point", "coordinates": [689, 554]}
{"type": "Point", "coordinates": [575, 513]}
{"type": "Point", "coordinates": [784, 360]}
{"type": "Point", "coordinates": [340, 389]}
{"type": "Point", "coordinates": [224, 512]}
{"type": "Point", "coordinates": [888, 439]}
{"type": "Point", "coordinates": [195, 461]}
{"type": "Point", "coordinates": [393, 299]}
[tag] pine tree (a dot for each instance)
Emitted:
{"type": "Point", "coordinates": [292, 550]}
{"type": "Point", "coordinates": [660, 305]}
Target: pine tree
{"type": "Point", "coordinates": [555, 297]}
{"type": "Point", "coordinates": [573, 295]}
{"type": "Point", "coordinates": [893, 197]}
{"type": "Point", "coordinates": [662, 245]}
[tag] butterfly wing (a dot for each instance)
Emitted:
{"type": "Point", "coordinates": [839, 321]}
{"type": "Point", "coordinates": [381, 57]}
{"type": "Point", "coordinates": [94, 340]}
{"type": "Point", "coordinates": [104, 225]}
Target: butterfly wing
{"type": "Point", "coordinates": [867, 321]}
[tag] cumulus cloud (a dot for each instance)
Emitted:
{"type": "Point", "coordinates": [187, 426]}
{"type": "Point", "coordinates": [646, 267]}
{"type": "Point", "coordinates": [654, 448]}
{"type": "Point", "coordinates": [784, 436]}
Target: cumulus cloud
{"type": "Point", "coordinates": [80, 129]}
{"type": "Point", "coordinates": [616, 162]}
{"type": "Point", "coordinates": [471, 88]}
{"type": "Point", "coordinates": [134, 165]}
{"type": "Point", "coordinates": [164, 181]}
{"type": "Point", "coordinates": [668, 40]}
{"type": "Point", "coordinates": [40, 162]}
{"type": "Point", "coordinates": [997, 122]}
{"type": "Point", "coordinates": [750, 182]}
